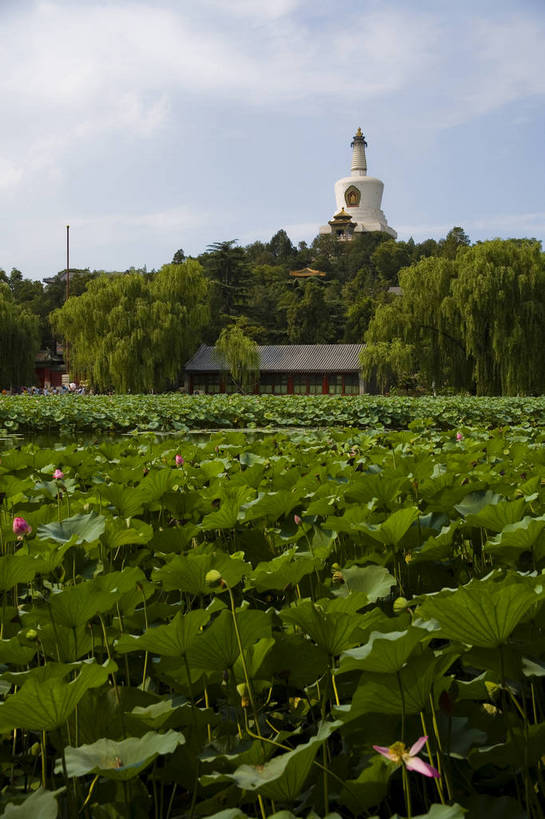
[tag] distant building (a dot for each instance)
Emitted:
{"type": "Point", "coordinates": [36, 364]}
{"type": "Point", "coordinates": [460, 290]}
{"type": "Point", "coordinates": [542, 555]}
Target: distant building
{"type": "Point", "coordinates": [359, 198]}
{"type": "Point", "coordinates": [307, 273]}
{"type": "Point", "coordinates": [285, 369]}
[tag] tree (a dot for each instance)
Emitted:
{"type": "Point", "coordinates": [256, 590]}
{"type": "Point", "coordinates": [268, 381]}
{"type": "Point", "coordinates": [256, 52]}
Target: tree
{"type": "Point", "coordinates": [475, 322]}
{"type": "Point", "coordinates": [455, 239]}
{"type": "Point", "coordinates": [179, 257]}
{"type": "Point", "coordinates": [226, 265]}
{"type": "Point", "coordinates": [308, 315]}
{"type": "Point", "coordinates": [19, 341]}
{"type": "Point", "coordinates": [239, 354]}
{"type": "Point", "coordinates": [388, 362]}
{"type": "Point", "coordinates": [133, 333]}
{"type": "Point", "coordinates": [499, 294]}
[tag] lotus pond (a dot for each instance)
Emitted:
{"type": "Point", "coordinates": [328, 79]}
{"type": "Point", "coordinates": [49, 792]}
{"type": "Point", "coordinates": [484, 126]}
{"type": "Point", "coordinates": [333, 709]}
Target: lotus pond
{"type": "Point", "coordinates": [234, 632]}
{"type": "Point", "coordinates": [174, 412]}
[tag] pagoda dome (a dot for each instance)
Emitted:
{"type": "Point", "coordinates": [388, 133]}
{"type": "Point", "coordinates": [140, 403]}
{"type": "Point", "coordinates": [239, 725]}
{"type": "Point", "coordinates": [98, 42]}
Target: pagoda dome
{"type": "Point", "coordinates": [359, 195]}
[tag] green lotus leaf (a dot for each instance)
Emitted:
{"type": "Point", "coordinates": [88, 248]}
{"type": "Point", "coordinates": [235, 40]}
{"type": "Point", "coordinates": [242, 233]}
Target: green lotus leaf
{"type": "Point", "coordinates": [285, 570]}
{"type": "Point", "coordinates": [384, 488]}
{"type": "Point", "coordinates": [227, 515]}
{"type": "Point", "coordinates": [483, 612]}
{"type": "Point", "coordinates": [42, 705]}
{"type": "Point", "coordinates": [17, 568]}
{"type": "Point", "coordinates": [39, 805]}
{"type": "Point", "coordinates": [437, 547]}
{"type": "Point", "coordinates": [498, 515]}
{"type": "Point", "coordinates": [172, 640]}
{"type": "Point", "coordinates": [216, 648]}
{"type": "Point", "coordinates": [369, 788]}
{"type": "Point", "coordinates": [516, 538]}
{"type": "Point", "coordinates": [390, 531]}
{"type": "Point", "coordinates": [522, 747]}
{"type": "Point", "coordinates": [119, 760]}
{"type": "Point", "coordinates": [128, 500]}
{"type": "Point", "coordinates": [173, 713]}
{"type": "Point", "coordinates": [297, 659]}
{"type": "Point", "coordinates": [440, 812]}
{"type": "Point", "coordinates": [283, 777]}
{"type": "Point", "coordinates": [13, 653]}
{"type": "Point", "coordinates": [76, 605]}
{"type": "Point", "coordinates": [156, 484]}
{"type": "Point", "coordinates": [188, 572]}
{"type": "Point", "coordinates": [332, 631]}
{"type": "Point", "coordinates": [477, 501]}
{"type": "Point", "coordinates": [123, 581]}
{"type": "Point", "coordinates": [116, 533]}
{"type": "Point", "coordinates": [269, 505]}
{"type": "Point", "coordinates": [373, 581]}
{"type": "Point", "coordinates": [255, 656]}
{"type": "Point", "coordinates": [82, 528]}
{"type": "Point", "coordinates": [380, 693]}
{"type": "Point", "coordinates": [384, 653]}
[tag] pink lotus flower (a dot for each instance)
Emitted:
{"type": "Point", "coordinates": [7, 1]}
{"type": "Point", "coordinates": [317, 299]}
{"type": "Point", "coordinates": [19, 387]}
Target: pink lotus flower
{"type": "Point", "coordinates": [399, 754]}
{"type": "Point", "coordinates": [58, 475]}
{"type": "Point", "coordinates": [297, 520]}
{"type": "Point", "coordinates": [21, 528]}
{"type": "Point", "coordinates": [459, 436]}
{"type": "Point", "coordinates": [179, 460]}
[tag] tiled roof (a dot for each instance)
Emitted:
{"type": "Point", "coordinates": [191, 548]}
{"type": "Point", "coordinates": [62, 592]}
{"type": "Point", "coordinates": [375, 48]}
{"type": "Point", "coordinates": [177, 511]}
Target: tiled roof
{"type": "Point", "coordinates": [293, 358]}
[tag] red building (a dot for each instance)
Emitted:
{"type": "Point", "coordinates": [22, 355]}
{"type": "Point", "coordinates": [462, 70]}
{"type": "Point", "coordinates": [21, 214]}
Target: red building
{"type": "Point", "coordinates": [285, 369]}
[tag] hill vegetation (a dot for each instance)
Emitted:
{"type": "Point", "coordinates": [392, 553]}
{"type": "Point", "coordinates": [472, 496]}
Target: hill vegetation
{"type": "Point", "coordinates": [467, 318]}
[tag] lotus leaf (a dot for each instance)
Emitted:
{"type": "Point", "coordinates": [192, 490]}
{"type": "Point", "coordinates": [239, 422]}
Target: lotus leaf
{"type": "Point", "coordinates": [283, 777]}
{"type": "Point", "coordinates": [45, 705]}
{"type": "Point", "coordinates": [331, 631]}
{"type": "Point", "coordinates": [172, 640]}
{"type": "Point", "coordinates": [483, 612]}
{"type": "Point", "coordinates": [384, 653]}
{"type": "Point", "coordinates": [77, 529]}
{"type": "Point", "coordinates": [39, 805]}
{"type": "Point", "coordinates": [119, 760]}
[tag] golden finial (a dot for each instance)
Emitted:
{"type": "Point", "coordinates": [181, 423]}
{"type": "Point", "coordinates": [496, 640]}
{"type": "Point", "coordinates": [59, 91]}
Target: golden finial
{"type": "Point", "coordinates": [359, 133]}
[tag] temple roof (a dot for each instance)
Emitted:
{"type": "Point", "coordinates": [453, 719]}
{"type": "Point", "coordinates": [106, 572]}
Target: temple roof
{"type": "Point", "coordinates": [306, 273]}
{"type": "Point", "coordinates": [304, 358]}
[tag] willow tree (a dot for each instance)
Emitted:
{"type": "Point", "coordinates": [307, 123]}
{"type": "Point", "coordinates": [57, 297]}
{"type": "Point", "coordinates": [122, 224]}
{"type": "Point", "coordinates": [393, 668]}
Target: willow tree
{"type": "Point", "coordinates": [133, 333]}
{"type": "Point", "coordinates": [476, 321]}
{"type": "Point", "coordinates": [499, 294]}
{"type": "Point", "coordinates": [19, 341]}
{"type": "Point", "coordinates": [425, 320]}
{"type": "Point", "coordinates": [238, 354]}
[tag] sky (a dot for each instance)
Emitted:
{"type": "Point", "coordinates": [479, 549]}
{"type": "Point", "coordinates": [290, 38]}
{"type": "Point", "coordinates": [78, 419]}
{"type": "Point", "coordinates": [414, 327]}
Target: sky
{"type": "Point", "coordinates": [153, 126]}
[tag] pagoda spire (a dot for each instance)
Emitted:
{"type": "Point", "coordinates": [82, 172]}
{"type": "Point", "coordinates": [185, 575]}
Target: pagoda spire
{"type": "Point", "coordinates": [359, 162]}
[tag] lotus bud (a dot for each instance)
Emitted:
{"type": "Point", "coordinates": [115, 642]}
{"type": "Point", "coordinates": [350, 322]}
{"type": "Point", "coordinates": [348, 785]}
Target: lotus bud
{"type": "Point", "coordinates": [31, 634]}
{"type": "Point", "coordinates": [58, 475]}
{"type": "Point", "coordinates": [213, 578]}
{"type": "Point", "coordinates": [400, 604]}
{"type": "Point", "coordinates": [179, 460]}
{"type": "Point", "coordinates": [337, 577]}
{"type": "Point", "coordinates": [21, 528]}
{"type": "Point", "coordinates": [244, 697]}
{"type": "Point", "coordinates": [35, 749]}
{"type": "Point", "coordinates": [297, 520]}
{"type": "Point", "coordinates": [459, 436]}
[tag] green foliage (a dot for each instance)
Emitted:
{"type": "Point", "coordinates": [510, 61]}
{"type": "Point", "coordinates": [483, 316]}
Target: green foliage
{"type": "Point", "coordinates": [172, 635]}
{"type": "Point", "coordinates": [19, 339]}
{"type": "Point", "coordinates": [473, 318]}
{"type": "Point", "coordinates": [240, 355]}
{"type": "Point", "coordinates": [132, 333]}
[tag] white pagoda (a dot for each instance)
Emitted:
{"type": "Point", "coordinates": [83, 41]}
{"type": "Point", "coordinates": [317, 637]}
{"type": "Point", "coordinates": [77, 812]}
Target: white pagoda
{"type": "Point", "coordinates": [358, 198]}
